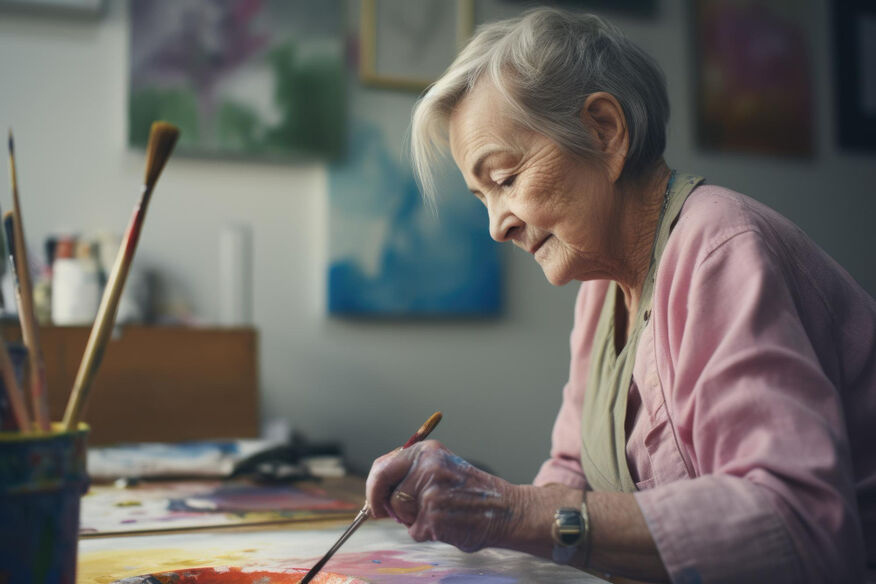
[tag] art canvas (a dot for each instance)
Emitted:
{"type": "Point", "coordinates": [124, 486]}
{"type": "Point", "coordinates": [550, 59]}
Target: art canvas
{"type": "Point", "coordinates": [175, 505]}
{"type": "Point", "coordinates": [240, 78]}
{"type": "Point", "coordinates": [754, 86]}
{"type": "Point", "coordinates": [390, 254]}
{"type": "Point", "coordinates": [379, 552]}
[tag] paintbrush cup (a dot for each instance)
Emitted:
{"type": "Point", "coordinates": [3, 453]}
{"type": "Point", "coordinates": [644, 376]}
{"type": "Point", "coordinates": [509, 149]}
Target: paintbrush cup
{"type": "Point", "coordinates": [42, 478]}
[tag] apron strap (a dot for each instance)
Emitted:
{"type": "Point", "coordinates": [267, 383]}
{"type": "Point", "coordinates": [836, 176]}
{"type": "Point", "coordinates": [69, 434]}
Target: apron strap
{"type": "Point", "coordinates": [603, 419]}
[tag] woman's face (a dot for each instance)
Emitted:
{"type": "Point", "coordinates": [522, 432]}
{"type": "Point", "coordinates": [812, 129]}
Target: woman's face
{"type": "Point", "coordinates": [544, 199]}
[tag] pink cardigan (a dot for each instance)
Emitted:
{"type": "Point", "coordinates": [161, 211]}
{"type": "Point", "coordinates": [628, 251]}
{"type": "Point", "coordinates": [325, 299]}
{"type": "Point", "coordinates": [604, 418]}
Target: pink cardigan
{"type": "Point", "coordinates": [751, 426]}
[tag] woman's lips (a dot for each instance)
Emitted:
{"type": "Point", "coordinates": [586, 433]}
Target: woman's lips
{"type": "Point", "coordinates": [538, 245]}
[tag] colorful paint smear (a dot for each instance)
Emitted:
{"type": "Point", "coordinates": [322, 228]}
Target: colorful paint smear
{"type": "Point", "coordinates": [158, 506]}
{"type": "Point", "coordinates": [381, 552]}
{"type": "Point", "coordinates": [237, 576]}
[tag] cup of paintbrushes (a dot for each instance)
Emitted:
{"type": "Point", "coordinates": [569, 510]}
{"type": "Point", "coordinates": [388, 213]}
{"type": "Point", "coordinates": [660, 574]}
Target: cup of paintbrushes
{"type": "Point", "coordinates": [42, 479]}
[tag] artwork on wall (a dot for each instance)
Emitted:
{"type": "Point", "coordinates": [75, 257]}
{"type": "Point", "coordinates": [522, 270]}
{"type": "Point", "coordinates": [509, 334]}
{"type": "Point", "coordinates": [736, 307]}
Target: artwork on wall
{"type": "Point", "coordinates": [753, 77]}
{"type": "Point", "coordinates": [407, 44]}
{"type": "Point", "coordinates": [72, 8]}
{"type": "Point", "coordinates": [639, 8]}
{"type": "Point", "coordinates": [389, 254]}
{"type": "Point", "coordinates": [241, 78]}
{"type": "Point", "coordinates": [855, 57]}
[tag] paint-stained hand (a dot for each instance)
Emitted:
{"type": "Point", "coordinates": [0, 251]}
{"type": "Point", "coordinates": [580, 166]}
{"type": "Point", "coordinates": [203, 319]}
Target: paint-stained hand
{"type": "Point", "coordinates": [440, 496]}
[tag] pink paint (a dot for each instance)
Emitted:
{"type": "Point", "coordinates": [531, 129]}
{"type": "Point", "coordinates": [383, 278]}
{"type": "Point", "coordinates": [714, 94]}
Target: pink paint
{"type": "Point", "coordinates": [236, 576]}
{"type": "Point", "coordinates": [386, 566]}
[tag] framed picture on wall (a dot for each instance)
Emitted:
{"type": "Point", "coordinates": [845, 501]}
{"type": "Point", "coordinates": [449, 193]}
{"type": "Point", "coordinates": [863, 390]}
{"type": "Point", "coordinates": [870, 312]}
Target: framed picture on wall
{"type": "Point", "coordinates": [753, 77]}
{"type": "Point", "coordinates": [241, 79]}
{"type": "Point", "coordinates": [855, 57]}
{"type": "Point", "coordinates": [73, 8]}
{"type": "Point", "coordinates": [407, 44]}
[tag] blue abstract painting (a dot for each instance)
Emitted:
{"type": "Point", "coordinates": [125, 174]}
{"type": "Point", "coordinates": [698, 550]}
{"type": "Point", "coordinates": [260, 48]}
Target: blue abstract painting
{"type": "Point", "coordinates": [391, 255]}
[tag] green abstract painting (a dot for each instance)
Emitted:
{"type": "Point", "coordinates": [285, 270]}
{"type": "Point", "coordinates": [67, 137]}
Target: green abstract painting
{"type": "Point", "coordinates": [241, 78]}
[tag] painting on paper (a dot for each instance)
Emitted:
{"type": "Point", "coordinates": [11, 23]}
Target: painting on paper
{"type": "Point", "coordinates": [241, 78]}
{"type": "Point", "coordinates": [173, 505]}
{"type": "Point", "coordinates": [754, 86]}
{"type": "Point", "coordinates": [381, 552]}
{"type": "Point", "coordinates": [390, 254]}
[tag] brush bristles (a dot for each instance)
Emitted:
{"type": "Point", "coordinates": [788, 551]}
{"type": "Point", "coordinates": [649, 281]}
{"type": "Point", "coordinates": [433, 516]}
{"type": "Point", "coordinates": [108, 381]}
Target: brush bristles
{"type": "Point", "coordinates": [162, 139]}
{"type": "Point", "coordinates": [11, 144]}
{"type": "Point", "coordinates": [430, 424]}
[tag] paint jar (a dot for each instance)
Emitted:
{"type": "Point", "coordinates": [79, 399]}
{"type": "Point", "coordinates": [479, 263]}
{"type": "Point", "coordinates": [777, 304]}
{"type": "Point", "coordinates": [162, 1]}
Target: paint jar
{"type": "Point", "coordinates": [42, 478]}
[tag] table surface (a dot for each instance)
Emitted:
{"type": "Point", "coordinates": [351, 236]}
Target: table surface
{"type": "Point", "coordinates": [380, 552]}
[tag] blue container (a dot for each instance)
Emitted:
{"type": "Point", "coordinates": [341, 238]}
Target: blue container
{"type": "Point", "coordinates": [42, 478]}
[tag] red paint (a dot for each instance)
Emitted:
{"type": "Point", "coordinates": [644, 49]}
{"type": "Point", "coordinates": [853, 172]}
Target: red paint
{"type": "Point", "coordinates": [133, 233]}
{"type": "Point", "coordinates": [238, 576]}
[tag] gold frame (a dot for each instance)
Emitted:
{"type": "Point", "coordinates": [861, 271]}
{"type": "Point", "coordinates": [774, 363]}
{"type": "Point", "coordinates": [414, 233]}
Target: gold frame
{"type": "Point", "coordinates": [368, 73]}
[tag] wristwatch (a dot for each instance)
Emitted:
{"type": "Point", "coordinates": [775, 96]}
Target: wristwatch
{"type": "Point", "coordinates": [570, 532]}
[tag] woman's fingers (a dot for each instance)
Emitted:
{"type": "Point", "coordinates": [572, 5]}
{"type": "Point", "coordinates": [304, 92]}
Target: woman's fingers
{"type": "Point", "coordinates": [404, 506]}
{"type": "Point", "coordinates": [440, 496]}
{"type": "Point", "coordinates": [386, 473]}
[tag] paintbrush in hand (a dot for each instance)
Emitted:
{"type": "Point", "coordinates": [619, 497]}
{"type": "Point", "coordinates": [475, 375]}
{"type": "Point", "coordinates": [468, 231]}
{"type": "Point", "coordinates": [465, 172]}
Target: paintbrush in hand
{"type": "Point", "coordinates": [26, 314]}
{"type": "Point", "coordinates": [418, 436]}
{"type": "Point", "coordinates": [162, 138]}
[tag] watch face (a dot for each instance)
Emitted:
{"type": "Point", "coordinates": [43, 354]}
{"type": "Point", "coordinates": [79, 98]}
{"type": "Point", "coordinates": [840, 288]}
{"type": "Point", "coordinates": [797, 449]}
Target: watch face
{"type": "Point", "coordinates": [568, 527]}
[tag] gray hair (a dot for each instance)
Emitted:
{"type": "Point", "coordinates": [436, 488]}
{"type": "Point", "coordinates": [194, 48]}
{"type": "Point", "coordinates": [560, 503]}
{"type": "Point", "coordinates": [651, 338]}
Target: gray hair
{"type": "Point", "coordinates": [545, 63]}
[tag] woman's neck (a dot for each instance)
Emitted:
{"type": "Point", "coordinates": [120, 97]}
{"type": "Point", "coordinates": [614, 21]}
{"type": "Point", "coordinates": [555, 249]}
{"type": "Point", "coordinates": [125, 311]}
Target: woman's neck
{"type": "Point", "coordinates": [645, 200]}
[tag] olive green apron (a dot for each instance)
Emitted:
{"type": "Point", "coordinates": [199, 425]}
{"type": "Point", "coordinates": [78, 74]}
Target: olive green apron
{"type": "Point", "coordinates": [603, 432]}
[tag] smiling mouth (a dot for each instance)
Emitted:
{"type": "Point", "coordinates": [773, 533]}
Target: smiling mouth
{"type": "Point", "coordinates": [539, 244]}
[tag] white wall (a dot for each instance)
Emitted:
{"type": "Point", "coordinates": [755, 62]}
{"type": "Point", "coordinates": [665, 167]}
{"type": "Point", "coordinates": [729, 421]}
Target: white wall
{"type": "Point", "coordinates": [63, 88]}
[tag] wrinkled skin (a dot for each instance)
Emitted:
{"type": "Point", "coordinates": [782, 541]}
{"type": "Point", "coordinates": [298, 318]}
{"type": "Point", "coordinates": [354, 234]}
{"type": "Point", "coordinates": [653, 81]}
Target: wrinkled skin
{"type": "Point", "coordinates": [452, 501]}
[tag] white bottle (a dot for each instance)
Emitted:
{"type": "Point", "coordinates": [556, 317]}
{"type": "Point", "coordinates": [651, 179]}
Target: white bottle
{"type": "Point", "coordinates": [75, 291]}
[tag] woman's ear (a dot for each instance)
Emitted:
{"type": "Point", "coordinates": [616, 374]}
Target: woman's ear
{"type": "Point", "coordinates": [602, 113]}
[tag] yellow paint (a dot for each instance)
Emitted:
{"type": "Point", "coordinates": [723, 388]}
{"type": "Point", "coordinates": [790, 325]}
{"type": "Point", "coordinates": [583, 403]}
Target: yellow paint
{"type": "Point", "coordinates": [107, 566]}
{"type": "Point", "coordinates": [411, 570]}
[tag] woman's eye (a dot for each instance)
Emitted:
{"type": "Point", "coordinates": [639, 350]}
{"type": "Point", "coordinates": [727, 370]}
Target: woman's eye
{"type": "Point", "coordinates": [508, 181]}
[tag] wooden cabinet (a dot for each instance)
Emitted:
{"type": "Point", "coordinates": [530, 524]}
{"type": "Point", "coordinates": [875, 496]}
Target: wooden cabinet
{"type": "Point", "coordinates": [158, 383]}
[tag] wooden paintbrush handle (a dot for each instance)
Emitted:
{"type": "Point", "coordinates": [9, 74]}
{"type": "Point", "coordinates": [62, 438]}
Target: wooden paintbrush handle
{"type": "Point", "coordinates": [29, 328]}
{"type": "Point", "coordinates": [105, 319]}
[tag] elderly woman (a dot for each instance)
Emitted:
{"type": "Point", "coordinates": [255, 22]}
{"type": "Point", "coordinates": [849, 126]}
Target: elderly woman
{"type": "Point", "coordinates": [719, 423]}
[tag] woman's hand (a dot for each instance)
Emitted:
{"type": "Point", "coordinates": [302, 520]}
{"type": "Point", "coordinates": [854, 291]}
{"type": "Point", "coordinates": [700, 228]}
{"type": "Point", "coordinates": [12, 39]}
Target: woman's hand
{"type": "Point", "coordinates": [440, 496]}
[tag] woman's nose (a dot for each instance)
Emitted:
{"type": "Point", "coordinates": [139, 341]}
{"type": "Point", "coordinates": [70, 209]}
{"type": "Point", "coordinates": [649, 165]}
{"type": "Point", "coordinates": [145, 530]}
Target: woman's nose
{"type": "Point", "coordinates": [503, 222]}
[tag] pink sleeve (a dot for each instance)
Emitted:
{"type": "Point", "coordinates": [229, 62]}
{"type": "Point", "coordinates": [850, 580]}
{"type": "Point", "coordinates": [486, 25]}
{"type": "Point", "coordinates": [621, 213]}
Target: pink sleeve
{"type": "Point", "coordinates": [761, 425]}
{"type": "Point", "coordinates": [564, 465]}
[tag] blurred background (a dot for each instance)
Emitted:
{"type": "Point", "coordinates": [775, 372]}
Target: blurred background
{"type": "Point", "coordinates": [290, 208]}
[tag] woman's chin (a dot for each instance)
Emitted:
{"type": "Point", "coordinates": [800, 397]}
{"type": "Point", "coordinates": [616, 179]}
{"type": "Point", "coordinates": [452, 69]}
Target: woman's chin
{"type": "Point", "coordinates": [556, 277]}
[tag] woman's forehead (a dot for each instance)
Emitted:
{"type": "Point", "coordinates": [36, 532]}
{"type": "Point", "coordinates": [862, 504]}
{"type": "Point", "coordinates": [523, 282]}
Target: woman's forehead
{"type": "Point", "coordinates": [481, 118]}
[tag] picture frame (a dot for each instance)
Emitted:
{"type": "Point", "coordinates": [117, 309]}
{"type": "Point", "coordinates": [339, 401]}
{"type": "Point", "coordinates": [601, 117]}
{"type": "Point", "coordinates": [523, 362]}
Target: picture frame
{"type": "Point", "coordinates": [248, 81]}
{"type": "Point", "coordinates": [87, 9]}
{"type": "Point", "coordinates": [407, 44]}
{"type": "Point", "coordinates": [753, 86]}
{"type": "Point", "coordinates": [855, 59]}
